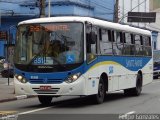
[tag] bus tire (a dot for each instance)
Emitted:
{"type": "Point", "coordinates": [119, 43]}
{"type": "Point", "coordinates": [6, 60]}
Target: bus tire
{"type": "Point", "coordinates": [137, 90]}
{"type": "Point", "coordinates": [99, 97]}
{"type": "Point", "coordinates": [155, 77]}
{"type": "Point", "coordinates": [45, 100]}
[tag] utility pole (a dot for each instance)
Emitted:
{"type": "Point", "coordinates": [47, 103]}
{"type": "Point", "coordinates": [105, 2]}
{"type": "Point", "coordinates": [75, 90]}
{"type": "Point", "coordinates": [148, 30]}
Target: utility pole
{"type": "Point", "coordinates": [49, 8]}
{"type": "Point", "coordinates": [42, 8]}
{"type": "Point", "coordinates": [116, 11]}
{"type": "Point", "coordinates": [0, 18]}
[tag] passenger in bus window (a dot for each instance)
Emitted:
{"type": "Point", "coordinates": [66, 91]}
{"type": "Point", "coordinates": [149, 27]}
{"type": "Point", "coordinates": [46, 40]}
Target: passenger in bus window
{"type": "Point", "coordinates": [53, 49]}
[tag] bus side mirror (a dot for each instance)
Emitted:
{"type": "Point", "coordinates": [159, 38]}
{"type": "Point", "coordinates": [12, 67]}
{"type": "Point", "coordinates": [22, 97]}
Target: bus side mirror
{"type": "Point", "coordinates": [93, 37]}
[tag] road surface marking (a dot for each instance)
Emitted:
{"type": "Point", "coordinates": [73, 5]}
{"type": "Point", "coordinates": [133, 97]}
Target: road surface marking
{"type": "Point", "coordinates": [126, 115]}
{"type": "Point", "coordinates": [156, 81]}
{"type": "Point", "coordinates": [44, 108]}
{"type": "Point", "coordinates": [36, 110]}
{"type": "Point", "coordinates": [132, 112]}
{"type": "Point", "coordinates": [21, 97]}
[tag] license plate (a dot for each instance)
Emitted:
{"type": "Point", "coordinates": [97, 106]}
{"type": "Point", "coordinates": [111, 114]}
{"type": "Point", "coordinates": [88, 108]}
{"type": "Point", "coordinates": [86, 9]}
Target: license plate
{"type": "Point", "coordinates": [45, 87]}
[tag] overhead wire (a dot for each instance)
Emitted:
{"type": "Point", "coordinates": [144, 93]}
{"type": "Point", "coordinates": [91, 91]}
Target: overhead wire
{"type": "Point", "coordinates": [125, 15]}
{"type": "Point", "coordinates": [101, 6]}
{"type": "Point", "coordinates": [17, 2]}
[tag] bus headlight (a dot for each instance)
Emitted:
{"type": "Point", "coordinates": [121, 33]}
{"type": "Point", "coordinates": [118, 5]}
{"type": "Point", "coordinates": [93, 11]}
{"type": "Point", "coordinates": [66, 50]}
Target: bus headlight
{"type": "Point", "coordinates": [73, 78]}
{"type": "Point", "coordinates": [20, 78]}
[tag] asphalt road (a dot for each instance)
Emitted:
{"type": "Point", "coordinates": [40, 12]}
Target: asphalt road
{"type": "Point", "coordinates": [115, 103]}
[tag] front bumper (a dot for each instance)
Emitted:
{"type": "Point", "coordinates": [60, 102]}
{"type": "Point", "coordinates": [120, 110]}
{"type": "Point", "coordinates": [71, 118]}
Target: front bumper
{"type": "Point", "coordinates": [63, 89]}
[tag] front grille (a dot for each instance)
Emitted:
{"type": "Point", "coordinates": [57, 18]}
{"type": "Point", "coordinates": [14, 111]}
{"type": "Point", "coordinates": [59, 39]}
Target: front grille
{"type": "Point", "coordinates": [52, 91]}
{"type": "Point", "coordinates": [45, 81]}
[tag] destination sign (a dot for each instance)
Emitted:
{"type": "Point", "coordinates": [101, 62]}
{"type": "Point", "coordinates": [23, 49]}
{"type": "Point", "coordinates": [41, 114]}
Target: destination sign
{"type": "Point", "coordinates": [48, 27]}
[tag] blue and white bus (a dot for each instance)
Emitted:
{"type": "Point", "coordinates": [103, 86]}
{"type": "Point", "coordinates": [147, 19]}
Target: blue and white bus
{"type": "Point", "coordinates": [80, 56]}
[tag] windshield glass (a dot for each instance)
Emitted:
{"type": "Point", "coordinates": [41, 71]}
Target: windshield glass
{"type": "Point", "coordinates": [49, 44]}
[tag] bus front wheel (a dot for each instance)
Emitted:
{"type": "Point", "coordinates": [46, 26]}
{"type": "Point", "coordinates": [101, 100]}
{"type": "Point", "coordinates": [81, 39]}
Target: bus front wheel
{"type": "Point", "coordinates": [137, 90]}
{"type": "Point", "coordinates": [45, 100]}
{"type": "Point", "coordinates": [99, 97]}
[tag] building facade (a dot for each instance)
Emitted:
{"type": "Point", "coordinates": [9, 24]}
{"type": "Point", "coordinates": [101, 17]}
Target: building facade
{"type": "Point", "coordinates": [14, 11]}
{"type": "Point", "coordinates": [155, 7]}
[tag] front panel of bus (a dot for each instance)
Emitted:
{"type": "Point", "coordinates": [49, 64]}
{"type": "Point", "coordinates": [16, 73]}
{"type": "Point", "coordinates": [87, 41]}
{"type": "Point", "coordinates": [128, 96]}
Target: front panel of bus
{"type": "Point", "coordinates": [49, 59]}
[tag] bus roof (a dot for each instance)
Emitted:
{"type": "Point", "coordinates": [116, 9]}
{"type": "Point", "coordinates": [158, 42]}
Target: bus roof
{"type": "Point", "coordinates": [94, 21]}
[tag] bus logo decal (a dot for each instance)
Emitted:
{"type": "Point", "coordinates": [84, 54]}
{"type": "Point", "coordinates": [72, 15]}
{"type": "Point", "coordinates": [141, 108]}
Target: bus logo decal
{"type": "Point", "coordinates": [45, 80]}
{"type": "Point", "coordinates": [70, 58]}
{"type": "Point", "coordinates": [34, 77]}
{"type": "Point", "coordinates": [110, 69]}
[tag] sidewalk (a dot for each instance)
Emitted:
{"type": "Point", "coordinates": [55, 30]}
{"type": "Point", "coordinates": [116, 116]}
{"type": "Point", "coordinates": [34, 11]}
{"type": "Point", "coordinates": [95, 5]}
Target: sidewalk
{"type": "Point", "coordinates": [7, 91]}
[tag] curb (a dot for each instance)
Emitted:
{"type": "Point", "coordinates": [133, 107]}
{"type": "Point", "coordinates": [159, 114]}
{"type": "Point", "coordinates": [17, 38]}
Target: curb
{"type": "Point", "coordinates": [17, 98]}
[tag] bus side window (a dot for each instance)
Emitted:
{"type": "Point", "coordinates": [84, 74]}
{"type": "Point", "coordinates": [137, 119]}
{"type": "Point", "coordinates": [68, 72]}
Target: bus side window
{"type": "Point", "coordinates": [147, 46]}
{"type": "Point", "coordinates": [117, 44]}
{"type": "Point", "coordinates": [129, 44]}
{"type": "Point", "coordinates": [138, 46]}
{"type": "Point", "coordinates": [113, 36]}
{"type": "Point", "coordinates": [88, 43]}
{"type": "Point", "coordinates": [105, 42]}
{"type": "Point", "coordinates": [132, 45]}
{"type": "Point", "coordinates": [132, 39]}
{"type": "Point", "coordinates": [109, 36]}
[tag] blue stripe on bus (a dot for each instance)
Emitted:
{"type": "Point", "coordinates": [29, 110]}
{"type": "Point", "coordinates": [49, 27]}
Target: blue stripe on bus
{"type": "Point", "coordinates": [130, 63]}
{"type": "Point", "coordinates": [48, 78]}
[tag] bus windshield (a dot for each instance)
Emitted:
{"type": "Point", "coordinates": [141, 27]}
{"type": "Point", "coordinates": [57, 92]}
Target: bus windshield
{"type": "Point", "coordinates": [49, 44]}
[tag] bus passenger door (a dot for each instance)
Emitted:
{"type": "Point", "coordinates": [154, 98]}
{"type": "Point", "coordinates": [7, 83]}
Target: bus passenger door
{"type": "Point", "coordinates": [91, 60]}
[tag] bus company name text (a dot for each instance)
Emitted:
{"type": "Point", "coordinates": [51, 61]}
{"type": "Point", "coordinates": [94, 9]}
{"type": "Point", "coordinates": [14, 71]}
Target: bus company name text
{"type": "Point", "coordinates": [133, 63]}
